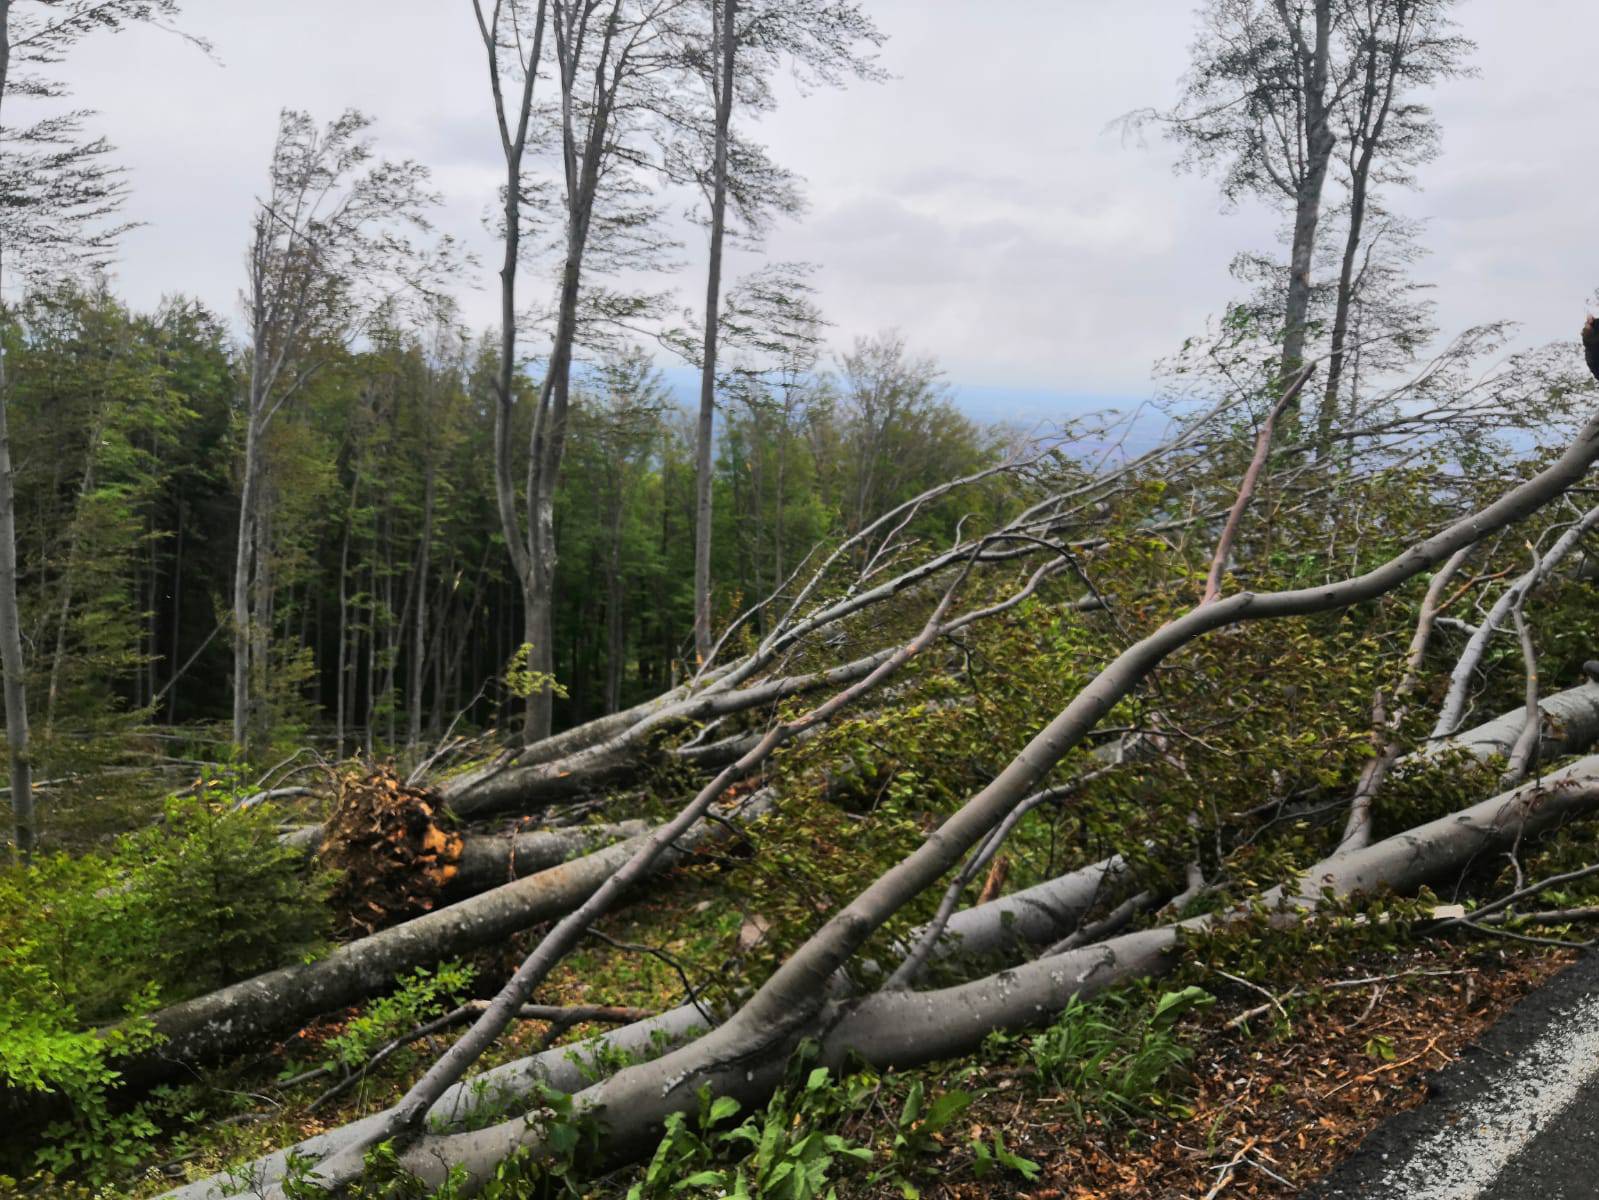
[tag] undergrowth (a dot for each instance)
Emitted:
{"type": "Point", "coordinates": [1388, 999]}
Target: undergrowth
{"type": "Point", "coordinates": [203, 899]}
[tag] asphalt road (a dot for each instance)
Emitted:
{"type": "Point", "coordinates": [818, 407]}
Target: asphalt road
{"type": "Point", "coordinates": [1515, 1118]}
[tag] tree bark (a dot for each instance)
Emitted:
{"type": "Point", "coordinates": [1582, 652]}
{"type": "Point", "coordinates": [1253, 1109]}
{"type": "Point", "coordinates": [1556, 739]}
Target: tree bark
{"type": "Point", "coordinates": [513, 144]}
{"type": "Point", "coordinates": [998, 929]}
{"type": "Point", "coordinates": [236, 1017]}
{"type": "Point", "coordinates": [725, 50]}
{"type": "Point", "coordinates": [905, 1029]}
{"type": "Point", "coordinates": [243, 557]}
{"type": "Point", "coordinates": [413, 731]}
{"type": "Point", "coordinates": [1319, 144]}
{"type": "Point", "coordinates": [1376, 101]}
{"type": "Point", "coordinates": [1452, 711]}
{"type": "Point", "coordinates": [12, 663]}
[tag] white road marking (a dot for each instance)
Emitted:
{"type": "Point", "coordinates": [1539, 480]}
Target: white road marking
{"type": "Point", "coordinates": [1461, 1161]}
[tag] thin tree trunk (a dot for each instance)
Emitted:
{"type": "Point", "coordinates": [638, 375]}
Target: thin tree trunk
{"type": "Point", "coordinates": [243, 555]}
{"type": "Point", "coordinates": [615, 630]}
{"type": "Point", "coordinates": [513, 144]}
{"type": "Point", "coordinates": [150, 621]}
{"type": "Point", "coordinates": [413, 734]}
{"type": "Point", "coordinates": [1319, 144]}
{"type": "Point", "coordinates": [726, 45]}
{"type": "Point", "coordinates": [177, 614]}
{"type": "Point", "coordinates": [345, 702]}
{"type": "Point", "coordinates": [261, 620]}
{"type": "Point", "coordinates": [64, 614]}
{"type": "Point", "coordinates": [1375, 110]}
{"type": "Point", "coordinates": [393, 630]}
{"type": "Point", "coordinates": [370, 711]}
{"type": "Point", "coordinates": [11, 661]}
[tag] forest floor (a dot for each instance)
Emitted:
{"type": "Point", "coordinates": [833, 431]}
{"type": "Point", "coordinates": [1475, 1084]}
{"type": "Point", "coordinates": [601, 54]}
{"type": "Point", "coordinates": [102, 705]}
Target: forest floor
{"type": "Point", "coordinates": [1275, 1103]}
{"type": "Point", "coordinates": [1278, 1090]}
{"type": "Point", "coordinates": [1298, 1045]}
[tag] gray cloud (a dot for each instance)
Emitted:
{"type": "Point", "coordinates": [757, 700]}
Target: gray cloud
{"type": "Point", "coordinates": [977, 201]}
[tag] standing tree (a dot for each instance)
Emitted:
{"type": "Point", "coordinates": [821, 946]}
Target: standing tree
{"type": "Point", "coordinates": [1258, 105]}
{"type": "Point", "coordinates": [612, 68]}
{"type": "Point", "coordinates": [513, 39]}
{"type": "Point", "coordinates": [1284, 96]}
{"type": "Point", "coordinates": [724, 53]}
{"type": "Point", "coordinates": [328, 258]}
{"type": "Point", "coordinates": [1395, 46]}
{"type": "Point", "coordinates": [58, 198]}
{"type": "Point", "coordinates": [735, 55]}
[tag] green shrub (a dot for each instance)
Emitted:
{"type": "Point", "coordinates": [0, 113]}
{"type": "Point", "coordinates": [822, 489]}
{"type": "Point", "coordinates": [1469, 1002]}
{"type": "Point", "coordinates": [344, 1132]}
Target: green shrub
{"type": "Point", "coordinates": [786, 1153]}
{"type": "Point", "coordinates": [223, 897]}
{"type": "Point", "coordinates": [1113, 1057]}
{"type": "Point", "coordinates": [419, 996]}
{"type": "Point", "coordinates": [204, 899]}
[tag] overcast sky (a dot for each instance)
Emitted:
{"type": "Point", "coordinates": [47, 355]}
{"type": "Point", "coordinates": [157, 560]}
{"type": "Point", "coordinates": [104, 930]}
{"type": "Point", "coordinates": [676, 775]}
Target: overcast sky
{"type": "Point", "coordinates": [976, 201]}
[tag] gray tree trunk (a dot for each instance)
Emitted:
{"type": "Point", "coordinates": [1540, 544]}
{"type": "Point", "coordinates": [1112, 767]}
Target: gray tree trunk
{"type": "Point", "coordinates": [243, 556]}
{"type": "Point", "coordinates": [903, 1028]}
{"type": "Point", "coordinates": [726, 50]}
{"type": "Point", "coordinates": [615, 626]}
{"type": "Point", "coordinates": [513, 145]}
{"type": "Point", "coordinates": [236, 1017]}
{"type": "Point", "coordinates": [1375, 103]}
{"type": "Point", "coordinates": [1319, 145]}
{"type": "Point", "coordinates": [12, 663]}
{"type": "Point", "coordinates": [413, 734]}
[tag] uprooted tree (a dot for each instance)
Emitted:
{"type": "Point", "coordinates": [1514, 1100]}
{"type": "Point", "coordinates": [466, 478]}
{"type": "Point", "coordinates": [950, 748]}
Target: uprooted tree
{"type": "Point", "coordinates": [1110, 613]}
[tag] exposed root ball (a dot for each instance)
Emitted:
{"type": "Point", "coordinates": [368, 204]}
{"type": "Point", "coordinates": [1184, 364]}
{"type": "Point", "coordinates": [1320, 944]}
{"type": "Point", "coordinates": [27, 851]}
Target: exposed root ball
{"type": "Point", "coordinates": [392, 856]}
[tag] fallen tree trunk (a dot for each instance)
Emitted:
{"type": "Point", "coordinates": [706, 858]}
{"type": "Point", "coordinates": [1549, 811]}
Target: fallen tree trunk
{"type": "Point", "coordinates": [1570, 724]}
{"type": "Point", "coordinates": [762, 1033]}
{"type": "Point", "coordinates": [514, 786]}
{"type": "Point", "coordinates": [742, 1055]}
{"type": "Point", "coordinates": [908, 1028]}
{"type": "Point", "coordinates": [901, 1028]}
{"type": "Point", "coordinates": [562, 1068]}
{"type": "Point", "coordinates": [1033, 917]}
{"type": "Point", "coordinates": [1000, 928]}
{"type": "Point", "coordinates": [1452, 711]}
{"type": "Point", "coordinates": [246, 1013]}
{"type": "Point", "coordinates": [488, 860]}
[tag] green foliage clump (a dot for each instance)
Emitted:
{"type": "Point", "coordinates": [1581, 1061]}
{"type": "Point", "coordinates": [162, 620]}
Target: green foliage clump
{"type": "Point", "coordinates": [204, 899]}
{"type": "Point", "coordinates": [788, 1153]}
{"type": "Point", "coordinates": [224, 899]}
{"type": "Point", "coordinates": [419, 996]}
{"type": "Point", "coordinates": [1112, 1058]}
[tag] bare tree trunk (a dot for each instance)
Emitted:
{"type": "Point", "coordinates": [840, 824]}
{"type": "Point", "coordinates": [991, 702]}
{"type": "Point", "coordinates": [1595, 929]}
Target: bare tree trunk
{"type": "Point", "coordinates": [413, 735]}
{"type": "Point", "coordinates": [615, 628]}
{"type": "Point", "coordinates": [345, 699]}
{"type": "Point", "coordinates": [242, 559]}
{"type": "Point", "coordinates": [11, 661]}
{"type": "Point", "coordinates": [152, 657]}
{"type": "Point", "coordinates": [513, 143]}
{"type": "Point", "coordinates": [1376, 101]}
{"type": "Point", "coordinates": [69, 562]}
{"type": "Point", "coordinates": [726, 43]}
{"type": "Point", "coordinates": [370, 710]}
{"type": "Point", "coordinates": [261, 617]}
{"type": "Point", "coordinates": [1319, 144]}
{"type": "Point", "coordinates": [177, 614]}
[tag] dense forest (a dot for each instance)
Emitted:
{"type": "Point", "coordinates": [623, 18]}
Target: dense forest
{"type": "Point", "coordinates": [454, 761]}
{"type": "Point", "coordinates": [384, 602]}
